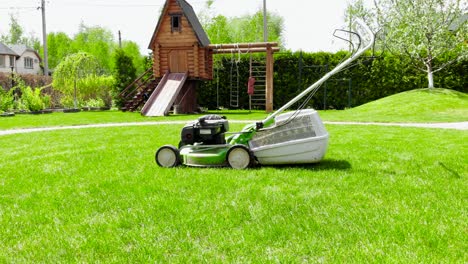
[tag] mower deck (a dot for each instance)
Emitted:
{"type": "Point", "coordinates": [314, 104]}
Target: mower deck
{"type": "Point", "coordinates": [204, 155]}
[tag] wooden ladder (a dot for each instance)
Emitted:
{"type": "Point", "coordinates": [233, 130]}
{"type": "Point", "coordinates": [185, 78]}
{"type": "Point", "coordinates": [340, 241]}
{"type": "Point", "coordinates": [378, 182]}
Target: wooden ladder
{"type": "Point", "coordinates": [259, 73]}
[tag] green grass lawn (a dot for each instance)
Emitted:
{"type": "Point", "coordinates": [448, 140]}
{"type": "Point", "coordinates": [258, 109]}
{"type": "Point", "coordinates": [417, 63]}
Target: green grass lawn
{"type": "Point", "coordinates": [382, 194]}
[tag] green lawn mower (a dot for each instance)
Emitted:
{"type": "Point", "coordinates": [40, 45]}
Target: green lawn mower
{"type": "Point", "coordinates": [296, 137]}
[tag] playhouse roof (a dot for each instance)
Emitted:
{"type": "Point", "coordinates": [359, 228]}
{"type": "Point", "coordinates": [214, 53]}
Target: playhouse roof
{"type": "Point", "coordinates": [192, 18]}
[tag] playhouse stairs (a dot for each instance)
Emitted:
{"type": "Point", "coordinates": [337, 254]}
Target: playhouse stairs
{"type": "Point", "coordinates": [138, 91]}
{"type": "Point", "coordinates": [140, 97]}
{"type": "Point", "coordinates": [163, 97]}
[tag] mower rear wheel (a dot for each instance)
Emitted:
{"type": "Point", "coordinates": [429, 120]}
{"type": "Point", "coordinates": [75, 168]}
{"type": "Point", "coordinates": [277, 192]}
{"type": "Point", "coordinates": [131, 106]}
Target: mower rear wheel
{"type": "Point", "coordinates": [239, 157]}
{"type": "Point", "coordinates": [167, 156]}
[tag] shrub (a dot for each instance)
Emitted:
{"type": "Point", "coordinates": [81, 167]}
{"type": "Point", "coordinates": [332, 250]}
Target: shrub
{"type": "Point", "coordinates": [364, 81]}
{"type": "Point", "coordinates": [94, 103]}
{"type": "Point", "coordinates": [6, 100]}
{"type": "Point", "coordinates": [96, 88]}
{"type": "Point", "coordinates": [124, 74]}
{"type": "Point", "coordinates": [32, 99]}
{"type": "Point", "coordinates": [68, 101]}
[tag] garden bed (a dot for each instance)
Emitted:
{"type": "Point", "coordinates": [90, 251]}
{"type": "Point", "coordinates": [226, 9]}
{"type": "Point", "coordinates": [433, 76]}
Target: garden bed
{"type": "Point", "coordinates": [7, 114]}
{"type": "Point", "coordinates": [86, 108]}
{"type": "Point", "coordinates": [71, 110]}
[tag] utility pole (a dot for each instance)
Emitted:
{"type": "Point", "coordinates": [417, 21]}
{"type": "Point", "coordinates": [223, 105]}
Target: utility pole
{"type": "Point", "coordinates": [44, 39]}
{"type": "Point", "coordinates": [120, 40]}
{"type": "Point", "coordinates": [265, 28]}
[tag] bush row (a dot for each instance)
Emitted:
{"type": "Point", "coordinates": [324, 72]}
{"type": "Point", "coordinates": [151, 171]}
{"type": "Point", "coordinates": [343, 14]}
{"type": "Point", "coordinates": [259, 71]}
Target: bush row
{"type": "Point", "coordinates": [370, 78]}
{"type": "Point", "coordinates": [29, 80]}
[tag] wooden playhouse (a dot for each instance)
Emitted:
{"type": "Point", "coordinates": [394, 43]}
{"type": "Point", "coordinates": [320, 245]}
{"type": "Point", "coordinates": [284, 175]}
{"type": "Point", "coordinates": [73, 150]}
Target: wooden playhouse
{"type": "Point", "coordinates": [182, 57]}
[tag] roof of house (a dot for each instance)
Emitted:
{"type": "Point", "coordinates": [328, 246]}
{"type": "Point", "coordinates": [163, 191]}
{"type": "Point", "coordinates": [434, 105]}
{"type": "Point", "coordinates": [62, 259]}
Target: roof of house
{"type": "Point", "coordinates": [192, 19]}
{"type": "Point", "coordinates": [5, 50]}
{"type": "Point", "coordinates": [20, 49]}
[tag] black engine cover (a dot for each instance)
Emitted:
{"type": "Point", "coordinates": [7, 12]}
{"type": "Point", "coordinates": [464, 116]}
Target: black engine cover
{"type": "Point", "coordinates": [208, 130]}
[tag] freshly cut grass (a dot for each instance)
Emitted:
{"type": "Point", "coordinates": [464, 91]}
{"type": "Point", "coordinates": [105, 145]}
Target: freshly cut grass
{"type": "Point", "coordinates": [382, 194]}
{"type": "Point", "coordinates": [421, 105]}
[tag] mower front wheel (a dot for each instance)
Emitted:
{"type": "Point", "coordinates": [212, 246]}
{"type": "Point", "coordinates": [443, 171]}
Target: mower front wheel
{"type": "Point", "coordinates": [167, 156]}
{"type": "Point", "coordinates": [239, 157]}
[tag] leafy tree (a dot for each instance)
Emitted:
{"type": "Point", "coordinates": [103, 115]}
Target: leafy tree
{"type": "Point", "coordinates": [247, 28]}
{"type": "Point", "coordinates": [124, 74]}
{"type": "Point", "coordinates": [71, 71]}
{"type": "Point", "coordinates": [132, 50]}
{"type": "Point", "coordinates": [16, 35]}
{"type": "Point", "coordinates": [429, 32]}
{"type": "Point", "coordinates": [59, 46]}
{"type": "Point", "coordinates": [96, 41]}
{"type": "Point", "coordinates": [219, 30]}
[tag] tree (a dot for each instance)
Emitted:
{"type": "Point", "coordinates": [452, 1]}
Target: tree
{"type": "Point", "coordinates": [247, 28]}
{"type": "Point", "coordinates": [59, 46]}
{"type": "Point", "coordinates": [73, 69]}
{"type": "Point", "coordinates": [16, 35]}
{"type": "Point", "coordinates": [424, 31]}
{"type": "Point", "coordinates": [219, 30]}
{"type": "Point", "coordinates": [132, 50]}
{"type": "Point", "coordinates": [124, 74]}
{"type": "Point", "coordinates": [96, 41]}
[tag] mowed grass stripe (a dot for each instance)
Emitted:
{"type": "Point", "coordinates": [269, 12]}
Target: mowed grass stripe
{"type": "Point", "coordinates": [382, 194]}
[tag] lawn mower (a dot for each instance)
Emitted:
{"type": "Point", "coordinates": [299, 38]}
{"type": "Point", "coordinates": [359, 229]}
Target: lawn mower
{"type": "Point", "coordinates": [295, 137]}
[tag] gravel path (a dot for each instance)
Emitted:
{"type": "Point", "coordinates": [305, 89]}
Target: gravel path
{"type": "Point", "coordinates": [457, 125]}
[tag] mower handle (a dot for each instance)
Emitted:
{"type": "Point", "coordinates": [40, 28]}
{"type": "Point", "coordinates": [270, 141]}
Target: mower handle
{"type": "Point", "coordinates": [317, 84]}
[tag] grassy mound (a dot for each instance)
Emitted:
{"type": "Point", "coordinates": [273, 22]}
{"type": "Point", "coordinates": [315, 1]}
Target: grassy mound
{"type": "Point", "coordinates": [421, 105]}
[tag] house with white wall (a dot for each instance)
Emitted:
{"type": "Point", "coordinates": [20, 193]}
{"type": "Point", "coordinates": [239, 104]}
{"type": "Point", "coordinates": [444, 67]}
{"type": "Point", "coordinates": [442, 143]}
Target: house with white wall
{"type": "Point", "coordinates": [7, 59]}
{"type": "Point", "coordinates": [28, 61]}
{"type": "Point", "coordinates": [19, 59]}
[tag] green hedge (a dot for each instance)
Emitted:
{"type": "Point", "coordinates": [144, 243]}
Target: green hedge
{"type": "Point", "coordinates": [369, 79]}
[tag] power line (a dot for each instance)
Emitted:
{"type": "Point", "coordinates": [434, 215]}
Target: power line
{"type": "Point", "coordinates": [107, 3]}
{"type": "Point", "coordinates": [18, 7]}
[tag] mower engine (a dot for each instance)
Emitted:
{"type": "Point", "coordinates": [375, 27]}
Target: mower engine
{"type": "Point", "coordinates": [208, 130]}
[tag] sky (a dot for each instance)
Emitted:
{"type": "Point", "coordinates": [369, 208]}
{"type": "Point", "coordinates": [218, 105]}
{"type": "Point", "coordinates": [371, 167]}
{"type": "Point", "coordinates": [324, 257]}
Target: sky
{"type": "Point", "coordinates": [309, 24]}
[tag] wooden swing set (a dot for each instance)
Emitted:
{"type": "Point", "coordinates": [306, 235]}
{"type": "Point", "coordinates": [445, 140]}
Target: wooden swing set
{"type": "Point", "coordinates": [269, 48]}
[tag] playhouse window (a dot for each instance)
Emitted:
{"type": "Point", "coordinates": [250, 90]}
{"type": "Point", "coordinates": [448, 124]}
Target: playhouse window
{"type": "Point", "coordinates": [175, 23]}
